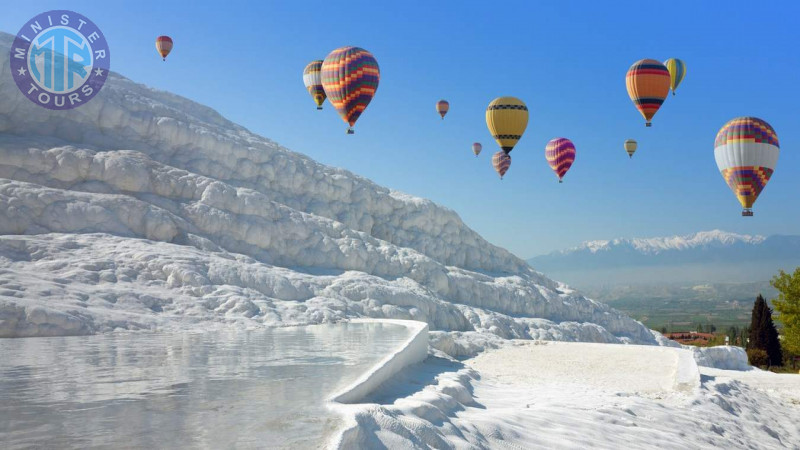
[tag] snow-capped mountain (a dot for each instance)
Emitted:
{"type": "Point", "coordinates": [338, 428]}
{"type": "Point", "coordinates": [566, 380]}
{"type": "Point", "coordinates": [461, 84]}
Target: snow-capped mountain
{"type": "Point", "coordinates": [710, 255]}
{"type": "Point", "coordinates": [143, 210]}
{"type": "Point", "coordinates": [653, 246]}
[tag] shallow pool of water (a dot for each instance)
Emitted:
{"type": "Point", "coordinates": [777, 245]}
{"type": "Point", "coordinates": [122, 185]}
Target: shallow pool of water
{"type": "Point", "coordinates": [244, 389]}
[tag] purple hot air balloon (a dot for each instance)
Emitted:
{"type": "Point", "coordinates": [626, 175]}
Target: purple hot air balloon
{"type": "Point", "coordinates": [560, 153]}
{"type": "Point", "coordinates": [501, 162]}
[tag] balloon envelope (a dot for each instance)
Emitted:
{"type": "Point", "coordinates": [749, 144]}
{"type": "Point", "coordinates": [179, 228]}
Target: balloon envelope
{"type": "Point", "coordinates": [350, 77]}
{"type": "Point", "coordinates": [746, 151]}
{"type": "Point", "coordinates": [507, 118]}
{"type": "Point", "coordinates": [164, 46]}
{"type": "Point", "coordinates": [442, 106]}
{"type": "Point", "coordinates": [630, 146]}
{"type": "Point", "coordinates": [560, 154]}
{"type": "Point", "coordinates": [677, 70]}
{"type": "Point", "coordinates": [312, 79]}
{"type": "Point", "coordinates": [476, 148]}
{"type": "Point", "coordinates": [648, 85]}
{"type": "Point", "coordinates": [501, 162]}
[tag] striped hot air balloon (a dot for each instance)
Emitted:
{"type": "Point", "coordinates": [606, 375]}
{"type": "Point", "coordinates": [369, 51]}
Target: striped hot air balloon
{"type": "Point", "coordinates": [442, 106]}
{"type": "Point", "coordinates": [350, 77]}
{"type": "Point", "coordinates": [677, 70]}
{"type": "Point", "coordinates": [630, 146]}
{"type": "Point", "coordinates": [746, 151]}
{"type": "Point", "coordinates": [476, 148]}
{"type": "Point", "coordinates": [501, 162]}
{"type": "Point", "coordinates": [507, 118]}
{"type": "Point", "coordinates": [312, 79]}
{"type": "Point", "coordinates": [560, 154]}
{"type": "Point", "coordinates": [648, 86]}
{"type": "Point", "coordinates": [164, 46]}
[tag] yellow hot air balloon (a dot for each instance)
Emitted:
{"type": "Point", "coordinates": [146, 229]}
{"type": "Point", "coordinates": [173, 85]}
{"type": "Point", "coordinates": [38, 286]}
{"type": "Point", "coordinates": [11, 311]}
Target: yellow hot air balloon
{"type": "Point", "coordinates": [507, 118]}
{"type": "Point", "coordinates": [677, 70]}
{"type": "Point", "coordinates": [630, 146]}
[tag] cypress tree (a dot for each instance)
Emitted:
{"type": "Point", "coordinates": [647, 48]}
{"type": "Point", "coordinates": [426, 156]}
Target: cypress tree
{"type": "Point", "coordinates": [755, 337]}
{"type": "Point", "coordinates": [763, 334]}
{"type": "Point", "coordinates": [773, 344]}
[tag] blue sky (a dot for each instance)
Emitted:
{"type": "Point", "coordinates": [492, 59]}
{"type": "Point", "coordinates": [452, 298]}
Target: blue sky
{"type": "Point", "coordinates": [566, 59]}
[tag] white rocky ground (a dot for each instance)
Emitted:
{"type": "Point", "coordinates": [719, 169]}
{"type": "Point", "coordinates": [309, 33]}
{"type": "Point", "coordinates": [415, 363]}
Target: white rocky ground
{"type": "Point", "coordinates": [142, 209]}
{"type": "Point", "coordinates": [558, 395]}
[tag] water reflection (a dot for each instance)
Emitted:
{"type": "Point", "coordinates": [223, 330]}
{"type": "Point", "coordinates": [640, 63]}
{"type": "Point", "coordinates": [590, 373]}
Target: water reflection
{"type": "Point", "coordinates": [261, 388]}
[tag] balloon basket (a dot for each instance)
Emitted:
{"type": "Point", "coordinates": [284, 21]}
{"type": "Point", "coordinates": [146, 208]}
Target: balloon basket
{"type": "Point", "coordinates": [648, 124]}
{"type": "Point", "coordinates": [350, 131]}
{"type": "Point", "coordinates": [747, 212]}
{"type": "Point", "coordinates": [319, 108]}
{"type": "Point", "coordinates": [560, 181]}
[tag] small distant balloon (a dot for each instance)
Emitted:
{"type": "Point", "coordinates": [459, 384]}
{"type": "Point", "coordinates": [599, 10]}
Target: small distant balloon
{"type": "Point", "coordinates": [350, 77]}
{"type": "Point", "coordinates": [442, 106]}
{"type": "Point", "coordinates": [501, 162]}
{"type": "Point", "coordinates": [648, 84]}
{"type": "Point", "coordinates": [677, 70]}
{"type": "Point", "coordinates": [630, 147]}
{"type": "Point", "coordinates": [476, 148]}
{"type": "Point", "coordinates": [164, 46]}
{"type": "Point", "coordinates": [560, 154]}
{"type": "Point", "coordinates": [746, 150]}
{"type": "Point", "coordinates": [312, 79]}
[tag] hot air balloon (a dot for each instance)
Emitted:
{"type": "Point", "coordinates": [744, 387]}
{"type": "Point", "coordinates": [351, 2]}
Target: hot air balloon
{"type": "Point", "coordinates": [648, 85]}
{"type": "Point", "coordinates": [677, 70]}
{"type": "Point", "coordinates": [560, 153]}
{"type": "Point", "coordinates": [746, 150]}
{"type": "Point", "coordinates": [507, 118]}
{"type": "Point", "coordinates": [312, 79]}
{"type": "Point", "coordinates": [476, 148]}
{"type": "Point", "coordinates": [630, 147]}
{"type": "Point", "coordinates": [350, 77]}
{"type": "Point", "coordinates": [442, 106]}
{"type": "Point", "coordinates": [164, 46]}
{"type": "Point", "coordinates": [501, 162]}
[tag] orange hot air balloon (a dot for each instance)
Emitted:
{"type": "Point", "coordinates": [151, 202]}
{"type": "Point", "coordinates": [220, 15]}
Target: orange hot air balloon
{"type": "Point", "coordinates": [648, 84]}
{"type": "Point", "coordinates": [442, 106]}
{"type": "Point", "coordinates": [164, 46]}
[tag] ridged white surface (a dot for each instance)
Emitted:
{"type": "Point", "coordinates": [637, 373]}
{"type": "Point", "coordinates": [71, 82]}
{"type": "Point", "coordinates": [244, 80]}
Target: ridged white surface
{"type": "Point", "coordinates": [142, 209]}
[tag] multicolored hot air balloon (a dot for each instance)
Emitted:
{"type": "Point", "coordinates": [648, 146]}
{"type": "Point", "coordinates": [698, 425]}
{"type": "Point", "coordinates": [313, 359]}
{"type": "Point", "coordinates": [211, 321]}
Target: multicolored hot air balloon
{"type": "Point", "coordinates": [350, 77]}
{"type": "Point", "coordinates": [476, 148]}
{"type": "Point", "coordinates": [677, 70]}
{"type": "Point", "coordinates": [648, 86]}
{"type": "Point", "coordinates": [507, 118]}
{"type": "Point", "coordinates": [746, 150]}
{"type": "Point", "coordinates": [312, 79]}
{"type": "Point", "coordinates": [630, 147]}
{"type": "Point", "coordinates": [560, 154]}
{"type": "Point", "coordinates": [164, 46]}
{"type": "Point", "coordinates": [501, 162]}
{"type": "Point", "coordinates": [442, 106]}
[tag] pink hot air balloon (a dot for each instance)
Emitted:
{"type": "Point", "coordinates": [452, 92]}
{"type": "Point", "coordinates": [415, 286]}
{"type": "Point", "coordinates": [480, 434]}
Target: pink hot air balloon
{"type": "Point", "coordinates": [442, 106]}
{"type": "Point", "coordinates": [476, 148]}
{"type": "Point", "coordinates": [560, 153]}
{"type": "Point", "coordinates": [501, 162]}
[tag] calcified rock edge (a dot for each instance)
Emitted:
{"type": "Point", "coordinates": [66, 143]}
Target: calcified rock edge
{"type": "Point", "coordinates": [144, 210]}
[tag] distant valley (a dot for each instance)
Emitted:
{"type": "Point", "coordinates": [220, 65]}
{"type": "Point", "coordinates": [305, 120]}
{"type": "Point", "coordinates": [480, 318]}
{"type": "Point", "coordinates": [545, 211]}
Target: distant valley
{"type": "Point", "coordinates": [678, 281]}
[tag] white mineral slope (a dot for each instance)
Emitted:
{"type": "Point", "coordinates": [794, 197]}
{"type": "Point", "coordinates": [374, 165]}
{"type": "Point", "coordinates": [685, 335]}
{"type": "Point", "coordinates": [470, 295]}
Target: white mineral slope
{"type": "Point", "coordinates": [560, 395]}
{"type": "Point", "coordinates": [142, 209]}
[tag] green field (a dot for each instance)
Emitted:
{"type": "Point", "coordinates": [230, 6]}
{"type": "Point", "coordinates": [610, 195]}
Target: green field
{"type": "Point", "coordinates": [681, 308]}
